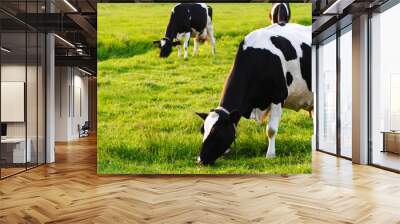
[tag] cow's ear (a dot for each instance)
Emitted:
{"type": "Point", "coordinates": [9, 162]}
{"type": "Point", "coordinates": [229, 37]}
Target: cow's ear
{"type": "Point", "coordinates": [234, 116]}
{"type": "Point", "coordinates": [176, 43]}
{"type": "Point", "coordinates": [202, 115]}
{"type": "Point", "coordinates": [157, 43]}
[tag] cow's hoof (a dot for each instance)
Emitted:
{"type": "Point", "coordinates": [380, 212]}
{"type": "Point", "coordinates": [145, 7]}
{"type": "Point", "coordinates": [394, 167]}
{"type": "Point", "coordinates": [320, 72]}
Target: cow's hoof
{"type": "Point", "coordinates": [270, 155]}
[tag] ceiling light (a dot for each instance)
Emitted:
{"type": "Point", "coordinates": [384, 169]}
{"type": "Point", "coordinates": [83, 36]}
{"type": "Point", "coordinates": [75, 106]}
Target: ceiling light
{"type": "Point", "coordinates": [84, 71]}
{"type": "Point", "coordinates": [337, 7]}
{"type": "Point", "coordinates": [65, 41]}
{"type": "Point", "coordinates": [79, 51]}
{"type": "Point", "coordinates": [70, 5]}
{"type": "Point", "coordinates": [5, 50]}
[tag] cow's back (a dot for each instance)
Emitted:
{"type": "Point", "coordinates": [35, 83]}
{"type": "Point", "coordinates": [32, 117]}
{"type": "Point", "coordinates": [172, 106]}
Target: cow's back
{"type": "Point", "coordinates": [296, 34]}
{"type": "Point", "coordinates": [190, 15]}
{"type": "Point", "coordinates": [291, 43]}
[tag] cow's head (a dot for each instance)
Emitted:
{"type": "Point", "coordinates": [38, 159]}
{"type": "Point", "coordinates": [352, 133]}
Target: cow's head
{"type": "Point", "coordinates": [219, 130]}
{"type": "Point", "coordinates": [165, 45]}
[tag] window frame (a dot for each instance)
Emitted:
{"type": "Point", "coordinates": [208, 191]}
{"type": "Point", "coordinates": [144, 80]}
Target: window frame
{"type": "Point", "coordinates": [31, 30]}
{"type": "Point", "coordinates": [381, 9]}
{"type": "Point", "coordinates": [339, 32]}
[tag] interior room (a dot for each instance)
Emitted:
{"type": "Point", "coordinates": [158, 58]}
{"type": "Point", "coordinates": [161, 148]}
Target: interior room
{"type": "Point", "coordinates": [374, 43]}
{"type": "Point", "coordinates": [48, 150]}
{"type": "Point", "coordinates": [71, 104]}
{"type": "Point", "coordinates": [22, 97]}
{"type": "Point", "coordinates": [385, 89]}
{"type": "Point", "coordinates": [48, 90]}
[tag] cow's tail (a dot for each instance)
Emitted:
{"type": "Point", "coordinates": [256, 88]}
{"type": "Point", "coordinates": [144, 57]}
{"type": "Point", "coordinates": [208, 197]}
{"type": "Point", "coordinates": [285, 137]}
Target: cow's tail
{"type": "Point", "coordinates": [209, 12]}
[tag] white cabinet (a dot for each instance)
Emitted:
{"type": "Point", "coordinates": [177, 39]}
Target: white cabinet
{"type": "Point", "coordinates": [17, 147]}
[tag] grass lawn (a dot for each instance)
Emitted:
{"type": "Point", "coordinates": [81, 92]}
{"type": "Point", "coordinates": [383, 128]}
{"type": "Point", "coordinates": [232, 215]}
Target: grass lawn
{"type": "Point", "coordinates": [146, 105]}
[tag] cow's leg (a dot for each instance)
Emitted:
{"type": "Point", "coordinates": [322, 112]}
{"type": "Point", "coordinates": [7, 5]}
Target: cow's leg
{"type": "Point", "coordinates": [186, 45]}
{"type": "Point", "coordinates": [196, 45]}
{"type": "Point", "coordinates": [311, 112]}
{"type": "Point", "coordinates": [210, 33]}
{"type": "Point", "coordinates": [272, 128]}
{"type": "Point", "coordinates": [179, 50]}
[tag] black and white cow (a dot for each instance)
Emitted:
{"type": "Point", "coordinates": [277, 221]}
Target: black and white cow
{"type": "Point", "coordinates": [280, 13]}
{"type": "Point", "coordinates": [272, 70]}
{"type": "Point", "coordinates": [187, 19]}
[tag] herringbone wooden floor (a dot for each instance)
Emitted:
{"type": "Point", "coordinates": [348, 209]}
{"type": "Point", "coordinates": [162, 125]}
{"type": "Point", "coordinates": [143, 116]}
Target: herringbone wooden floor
{"type": "Point", "coordinates": [69, 191]}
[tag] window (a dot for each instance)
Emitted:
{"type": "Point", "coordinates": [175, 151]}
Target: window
{"type": "Point", "coordinates": [327, 95]}
{"type": "Point", "coordinates": [22, 78]}
{"type": "Point", "coordinates": [385, 89]}
{"type": "Point", "coordinates": [346, 92]}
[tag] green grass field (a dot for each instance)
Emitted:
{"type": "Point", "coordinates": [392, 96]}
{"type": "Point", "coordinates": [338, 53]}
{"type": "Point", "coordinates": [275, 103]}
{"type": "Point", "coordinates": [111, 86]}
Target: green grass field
{"type": "Point", "coordinates": [146, 105]}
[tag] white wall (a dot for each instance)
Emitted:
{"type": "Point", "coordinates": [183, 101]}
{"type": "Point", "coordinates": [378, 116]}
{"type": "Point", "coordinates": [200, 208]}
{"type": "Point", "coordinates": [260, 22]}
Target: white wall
{"type": "Point", "coordinates": [14, 72]}
{"type": "Point", "coordinates": [70, 83]}
{"type": "Point", "coordinates": [33, 125]}
{"type": "Point", "coordinates": [62, 82]}
{"type": "Point", "coordinates": [11, 73]}
{"type": "Point", "coordinates": [80, 84]}
{"type": "Point", "coordinates": [13, 101]}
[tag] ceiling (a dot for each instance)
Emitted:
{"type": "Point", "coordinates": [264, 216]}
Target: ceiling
{"type": "Point", "coordinates": [74, 22]}
{"type": "Point", "coordinates": [330, 15]}
{"type": "Point", "coordinates": [206, 1]}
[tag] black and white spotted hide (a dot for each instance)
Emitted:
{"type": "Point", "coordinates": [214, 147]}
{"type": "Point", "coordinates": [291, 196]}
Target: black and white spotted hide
{"type": "Point", "coordinates": [187, 20]}
{"type": "Point", "coordinates": [272, 70]}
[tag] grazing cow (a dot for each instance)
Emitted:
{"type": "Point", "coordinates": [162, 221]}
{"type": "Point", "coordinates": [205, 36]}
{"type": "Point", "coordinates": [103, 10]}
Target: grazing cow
{"type": "Point", "coordinates": [280, 13]}
{"type": "Point", "coordinates": [187, 19]}
{"type": "Point", "coordinates": [272, 70]}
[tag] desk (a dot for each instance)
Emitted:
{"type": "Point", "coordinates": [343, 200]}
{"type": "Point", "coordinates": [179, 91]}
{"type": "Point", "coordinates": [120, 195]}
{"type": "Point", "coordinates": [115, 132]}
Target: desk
{"type": "Point", "coordinates": [15, 148]}
{"type": "Point", "coordinates": [391, 141]}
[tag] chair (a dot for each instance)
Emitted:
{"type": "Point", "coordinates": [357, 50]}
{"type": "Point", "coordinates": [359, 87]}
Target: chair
{"type": "Point", "coordinates": [84, 130]}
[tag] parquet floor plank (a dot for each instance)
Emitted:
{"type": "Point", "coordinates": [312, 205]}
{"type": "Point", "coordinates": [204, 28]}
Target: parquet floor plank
{"type": "Point", "coordinates": [70, 191]}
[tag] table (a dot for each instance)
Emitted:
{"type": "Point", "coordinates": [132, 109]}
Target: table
{"type": "Point", "coordinates": [391, 141]}
{"type": "Point", "coordinates": [15, 148]}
